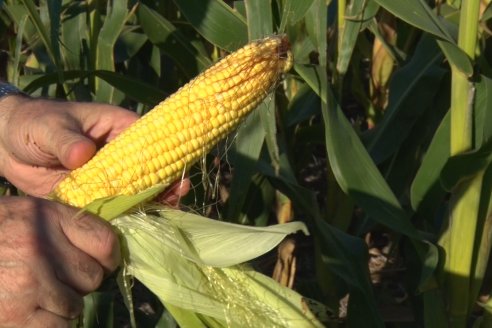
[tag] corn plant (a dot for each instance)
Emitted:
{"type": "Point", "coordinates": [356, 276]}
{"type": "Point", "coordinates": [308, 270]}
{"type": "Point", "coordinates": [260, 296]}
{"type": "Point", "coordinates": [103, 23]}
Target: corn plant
{"type": "Point", "coordinates": [378, 140]}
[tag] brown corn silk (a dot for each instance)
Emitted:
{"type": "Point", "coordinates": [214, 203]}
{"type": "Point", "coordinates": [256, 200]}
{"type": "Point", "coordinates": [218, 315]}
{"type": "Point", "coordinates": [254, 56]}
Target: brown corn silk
{"type": "Point", "coordinates": [165, 142]}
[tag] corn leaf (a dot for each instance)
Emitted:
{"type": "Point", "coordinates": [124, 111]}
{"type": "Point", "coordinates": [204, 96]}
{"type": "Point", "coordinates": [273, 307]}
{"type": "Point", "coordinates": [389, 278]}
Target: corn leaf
{"type": "Point", "coordinates": [426, 187]}
{"type": "Point", "coordinates": [294, 11]}
{"type": "Point", "coordinates": [482, 241]}
{"type": "Point", "coordinates": [483, 116]}
{"type": "Point", "coordinates": [216, 22]}
{"type": "Point", "coordinates": [73, 34]}
{"type": "Point", "coordinates": [171, 41]}
{"type": "Point", "coordinates": [419, 14]}
{"type": "Point", "coordinates": [260, 24]}
{"type": "Point", "coordinates": [113, 24]}
{"type": "Point", "coordinates": [260, 19]}
{"type": "Point", "coordinates": [366, 186]}
{"type": "Point", "coordinates": [133, 88]}
{"type": "Point", "coordinates": [41, 29]}
{"type": "Point", "coordinates": [412, 87]}
{"type": "Point", "coordinates": [247, 148]}
{"type": "Point", "coordinates": [98, 310]}
{"type": "Point", "coordinates": [357, 13]}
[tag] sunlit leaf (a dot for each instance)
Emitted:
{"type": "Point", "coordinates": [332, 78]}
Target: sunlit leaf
{"type": "Point", "coordinates": [111, 29]}
{"type": "Point", "coordinates": [260, 24]}
{"type": "Point", "coordinates": [216, 22]}
{"type": "Point", "coordinates": [293, 11]}
{"type": "Point", "coordinates": [171, 41]}
{"type": "Point", "coordinates": [419, 14]}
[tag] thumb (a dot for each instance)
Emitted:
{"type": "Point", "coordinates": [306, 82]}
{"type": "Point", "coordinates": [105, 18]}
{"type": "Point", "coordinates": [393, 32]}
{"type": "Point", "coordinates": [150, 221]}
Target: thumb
{"type": "Point", "coordinates": [92, 235]}
{"type": "Point", "coordinates": [47, 138]}
{"type": "Point", "coordinates": [72, 149]}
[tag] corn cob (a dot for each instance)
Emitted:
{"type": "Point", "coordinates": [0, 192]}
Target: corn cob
{"type": "Point", "coordinates": [166, 141]}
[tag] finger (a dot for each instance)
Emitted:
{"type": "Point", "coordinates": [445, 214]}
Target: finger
{"type": "Point", "coordinates": [94, 237]}
{"type": "Point", "coordinates": [42, 319]}
{"type": "Point", "coordinates": [102, 122]}
{"type": "Point", "coordinates": [42, 133]}
{"type": "Point", "coordinates": [172, 195]}
{"type": "Point", "coordinates": [60, 299]}
{"type": "Point", "coordinates": [71, 148]}
{"type": "Point", "coordinates": [78, 270]}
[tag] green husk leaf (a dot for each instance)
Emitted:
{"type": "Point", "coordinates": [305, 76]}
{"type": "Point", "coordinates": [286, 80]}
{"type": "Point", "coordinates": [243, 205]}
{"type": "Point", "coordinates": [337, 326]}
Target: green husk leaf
{"type": "Point", "coordinates": [166, 253]}
{"type": "Point", "coordinates": [109, 208]}
{"type": "Point", "coordinates": [215, 243]}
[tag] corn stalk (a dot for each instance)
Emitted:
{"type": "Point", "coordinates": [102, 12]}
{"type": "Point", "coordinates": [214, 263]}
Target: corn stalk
{"type": "Point", "coordinates": [458, 241]}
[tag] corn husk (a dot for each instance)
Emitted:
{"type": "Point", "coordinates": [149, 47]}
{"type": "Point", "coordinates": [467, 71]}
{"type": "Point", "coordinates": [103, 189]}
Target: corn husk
{"type": "Point", "coordinates": [194, 265]}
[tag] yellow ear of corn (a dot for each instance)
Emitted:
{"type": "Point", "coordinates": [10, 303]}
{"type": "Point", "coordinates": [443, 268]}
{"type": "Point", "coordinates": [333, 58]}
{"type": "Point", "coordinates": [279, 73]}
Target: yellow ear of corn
{"type": "Point", "coordinates": [158, 147]}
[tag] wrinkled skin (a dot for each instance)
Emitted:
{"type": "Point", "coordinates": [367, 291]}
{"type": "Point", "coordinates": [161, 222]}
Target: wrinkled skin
{"type": "Point", "coordinates": [50, 254]}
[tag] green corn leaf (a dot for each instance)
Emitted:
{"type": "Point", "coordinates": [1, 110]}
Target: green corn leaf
{"type": "Point", "coordinates": [98, 310]}
{"type": "Point", "coordinates": [483, 114]}
{"type": "Point", "coordinates": [412, 89]}
{"type": "Point", "coordinates": [247, 148]}
{"type": "Point", "coordinates": [303, 198]}
{"type": "Point", "coordinates": [456, 57]}
{"type": "Point", "coordinates": [39, 81]}
{"type": "Point", "coordinates": [216, 22]}
{"type": "Point", "coordinates": [171, 41]}
{"type": "Point", "coordinates": [463, 166]}
{"type": "Point", "coordinates": [347, 256]}
{"type": "Point", "coordinates": [366, 185]}
{"type": "Point", "coordinates": [484, 229]}
{"type": "Point", "coordinates": [259, 18]}
{"type": "Point", "coordinates": [303, 106]}
{"type": "Point", "coordinates": [54, 11]}
{"type": "Point", "coordinates": [133, 88]}
{"type": "Point", "coordinates": [316, 18]}
{"type": "Point", "coordinates": [113, 24]}
{"type": "Point", "coordinates": [311, 75]}
{"type": "Point", "coordinates": [293, 11]}
{"type": "Point", "coordinates": [260, 24]}
{"type": "Point", "coordinates": [357, 13]}
{"type": "Point", "coordinates": [41, 28]}
{"type": "Point", "coordinates": [72, 36]}
{"type": "Point", "coordinates": [426, 187]}
{"type": "Point", "coordinates": [420, 15]}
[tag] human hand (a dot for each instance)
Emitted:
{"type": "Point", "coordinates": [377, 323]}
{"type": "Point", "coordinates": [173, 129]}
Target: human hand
{"type": "Point", "coordinates": [40, 140]}
{"type": "Point", "coordinates": [50, 256]}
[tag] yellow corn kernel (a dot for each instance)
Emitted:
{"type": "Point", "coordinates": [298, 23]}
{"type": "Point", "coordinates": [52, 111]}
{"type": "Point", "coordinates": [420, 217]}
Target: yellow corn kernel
{"type": "Point", "coordinates": [211, 106]}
